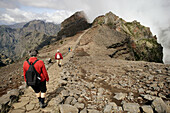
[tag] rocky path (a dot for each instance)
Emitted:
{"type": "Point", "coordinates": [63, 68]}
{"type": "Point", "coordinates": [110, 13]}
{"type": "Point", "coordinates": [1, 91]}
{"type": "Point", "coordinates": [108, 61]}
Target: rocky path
{"type": "Point", "coordinates": [29, 103]}
{"type": "Point", "coordinates": [88, 84]}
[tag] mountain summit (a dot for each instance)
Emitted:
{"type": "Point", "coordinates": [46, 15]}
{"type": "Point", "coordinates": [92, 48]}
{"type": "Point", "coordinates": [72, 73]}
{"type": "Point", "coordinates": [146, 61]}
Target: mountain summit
{"type": "Point", "coordinates": [140, 43]}
{"type": "Point", "coordinates": [75, 23]}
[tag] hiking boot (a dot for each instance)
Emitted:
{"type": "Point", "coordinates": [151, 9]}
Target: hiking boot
{"type": "Point", "coordinates": [59, 65]}
{"type": "Point", "coordinates": [42, 105]}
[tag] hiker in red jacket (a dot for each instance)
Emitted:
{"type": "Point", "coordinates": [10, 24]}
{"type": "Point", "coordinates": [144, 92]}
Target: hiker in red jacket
{"type": "Point", "coordinates": [58, 57]}
{"type": "Point", "coordinates": [39, 66]}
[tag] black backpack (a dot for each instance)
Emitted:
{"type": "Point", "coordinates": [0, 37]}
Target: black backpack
{"type": "Point", "coordinates": [33, 78]}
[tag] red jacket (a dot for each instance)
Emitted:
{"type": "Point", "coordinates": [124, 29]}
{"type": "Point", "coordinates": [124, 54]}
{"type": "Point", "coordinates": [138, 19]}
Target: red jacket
{"type": "Point", "coordinates": [61, 57]}
{"type": "Point", "coordinates": [39, 66]}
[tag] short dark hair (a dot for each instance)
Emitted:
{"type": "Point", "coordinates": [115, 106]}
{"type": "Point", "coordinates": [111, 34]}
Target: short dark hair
{"type": "Point", "coordinates": [33, 53]}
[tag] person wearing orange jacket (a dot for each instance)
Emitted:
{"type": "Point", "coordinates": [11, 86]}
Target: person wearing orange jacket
{"type": "Point", "coordinates": [39, 66]}
{"type": "Point", "coordinates": [59, 58]}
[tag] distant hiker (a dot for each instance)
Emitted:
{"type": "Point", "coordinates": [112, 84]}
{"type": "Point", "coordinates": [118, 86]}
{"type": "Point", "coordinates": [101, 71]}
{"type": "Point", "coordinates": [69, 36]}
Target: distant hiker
{"type": "Point", "coordinates": [69, 49]}
{"type": "Point", "coordinates": [32, 76]}
{"type": "Point", "coordinates": [58, 57]}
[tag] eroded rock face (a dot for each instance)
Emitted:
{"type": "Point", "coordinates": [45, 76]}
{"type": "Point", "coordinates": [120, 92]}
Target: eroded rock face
{"type": "Point", "coordinates": [142, 43]}
{"type": "Point", "coordinates": [76, 23]}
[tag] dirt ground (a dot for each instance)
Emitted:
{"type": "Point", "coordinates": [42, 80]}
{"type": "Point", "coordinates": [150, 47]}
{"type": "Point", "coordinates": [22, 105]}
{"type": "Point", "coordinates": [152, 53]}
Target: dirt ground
{"type": "Point", "coordinates": [91, 58]}
{"type": "Point", "coordinates": [11, 75]}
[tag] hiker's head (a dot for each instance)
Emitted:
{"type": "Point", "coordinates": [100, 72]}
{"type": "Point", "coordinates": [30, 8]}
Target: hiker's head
{"type": "Point", "coordinates": [58, 50]}
{"type": "Point", "coordinates": [33, 53]}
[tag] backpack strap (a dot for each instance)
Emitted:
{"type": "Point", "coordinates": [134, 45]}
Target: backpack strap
{"type": "Point", "coordinates": [28, 62]}
{"type": "Point", "coordinates": [35, 62]}
{"type": "Point", "coordinates": [32, 63]}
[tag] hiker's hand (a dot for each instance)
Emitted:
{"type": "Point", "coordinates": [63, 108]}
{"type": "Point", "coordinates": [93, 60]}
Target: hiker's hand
{"type": "Point", "coordinates": [47, 82]}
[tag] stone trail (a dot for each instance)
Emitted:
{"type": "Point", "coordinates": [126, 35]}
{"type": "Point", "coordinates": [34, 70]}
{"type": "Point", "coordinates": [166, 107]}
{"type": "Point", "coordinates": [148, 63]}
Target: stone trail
{"type": "Point", "coordinates": [76, 89]}
{"type": "Point", "coordinates": [28, 101]}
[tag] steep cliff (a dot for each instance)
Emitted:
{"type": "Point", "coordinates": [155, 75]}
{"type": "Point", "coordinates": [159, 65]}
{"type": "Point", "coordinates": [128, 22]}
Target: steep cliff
{"type": "Point", "coordinates": [75, 23]}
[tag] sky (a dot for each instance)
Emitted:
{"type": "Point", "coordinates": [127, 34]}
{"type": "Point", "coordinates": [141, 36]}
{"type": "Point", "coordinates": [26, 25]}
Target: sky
{"type": "Point", "coordinates": [150, 13]}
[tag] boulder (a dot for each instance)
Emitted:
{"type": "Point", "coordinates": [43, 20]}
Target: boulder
{"type": "Point", "coordinates": [84, 110]}
{"type": "Point", "coordinates": [148, 97]}
{"type": "Point", "coordinates": [159, 106]}
{"type": "Point", "coordinates": [131, 107]}
{"type": "Point", "coordinates": [8, 99]}
{"type": "Point", "coordinates": [68, 100]}
{"type": "Point", "coordinates": [108, 109]}
{"type": "Point", "coordinates": [66, 108]}
{"type": "Point", "coordinates": [141, 90]}
{"type": "Point", "coordinates": [79, 105]}
{"type": "Point", "coordinates": [65, 93]}
{"type": "Point", "coordinates": [120, 96]}
{"type": "Point", "coordinates": [74, 101]}
{"type": "Point", "coordinates": [147, 109]}
{"type": "Point", "coordinates": [114, 105]}
{"type": "Point", "coordinates": [47, 61]}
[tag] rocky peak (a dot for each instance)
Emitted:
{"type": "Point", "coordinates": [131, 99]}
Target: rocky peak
{"type": "Point", "coordinates": [42, 27]}
{"type": "Point", "coordinates": [75, 23]}
{"type": "Point", "coordinates": [110, 18]}
{"type": "Point", "coordinates": [76, 17]}
{"type": "Point", "coordinates": [34, 22]}
{"type": "Point", "coordinates": [142, 43]}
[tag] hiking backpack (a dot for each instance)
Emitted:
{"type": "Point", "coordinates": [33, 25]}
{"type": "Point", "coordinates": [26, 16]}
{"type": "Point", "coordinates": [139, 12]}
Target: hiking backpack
{"type": "Point", "coordinates": [32, 76]}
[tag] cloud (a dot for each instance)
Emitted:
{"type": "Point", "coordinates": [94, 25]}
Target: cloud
{"type": "Point", "coordinates": [16, 15]}
{"type": "Point", "coordinates": [10, 4]}
{"type": "Point", "coordinates": [164, 39]}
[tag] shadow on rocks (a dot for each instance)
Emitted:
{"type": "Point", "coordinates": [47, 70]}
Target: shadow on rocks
{"type": "Point", "coordinates": [54, 94]}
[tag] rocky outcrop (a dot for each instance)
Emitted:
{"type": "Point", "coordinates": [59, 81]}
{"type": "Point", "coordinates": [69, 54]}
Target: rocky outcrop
{"type": "Point", "coordinates": [4, 60]}
{"type": "Point", "coordinates": [142, 43]}
{"type": "Point", "coordinates": [7, 100]}
{"type": "Point", "coordinates": [74, 24]}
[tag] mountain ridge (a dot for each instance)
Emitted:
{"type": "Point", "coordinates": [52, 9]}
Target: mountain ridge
{"type": "Point", "coordinates": [15, 42]}
{"type": "Point", "coordinates": [142, 43]}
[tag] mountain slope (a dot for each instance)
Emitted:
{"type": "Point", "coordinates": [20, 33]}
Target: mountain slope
{"type": "Point", "coordinates": [90, 78]}
{"type": "Point", "coordinates": [15, 43]}
{"type": "Point", "coordinates": [142, 43]}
